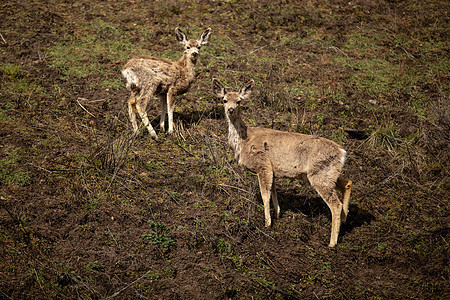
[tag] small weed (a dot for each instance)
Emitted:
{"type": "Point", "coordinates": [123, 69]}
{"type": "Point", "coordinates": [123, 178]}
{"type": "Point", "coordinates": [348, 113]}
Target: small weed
{"type": "Point", "coordinates": [221, 246]}
{"type": "Point", "coordinates": [95, 265]}
{"type": "Point", "coordinates": [263, 281]}
{"type": "Point", "coordinates": [320, 119]}
{"type": "Point", "coordinates": [152, 165]}
{"type": "Point", "coordinates": [381, 246]}
{"type": "Point", "coordinates": [196, 240]}
{"type": "Point", "coordinates": [152, 275]}
{"type": "Point", "coordinates": [262, 265]}
{"type": "Point", "coordinates": [159, 235]}
{"type": "Point", "coordinates": [169, 272]}
{"type": "Point", "coordinates": [326, 266]}
{"type": "Point", "coordinates": [199, 222]}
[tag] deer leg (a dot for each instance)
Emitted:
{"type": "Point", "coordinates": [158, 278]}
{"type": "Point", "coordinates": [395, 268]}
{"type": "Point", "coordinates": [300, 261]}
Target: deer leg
{"type": "Point", "coordinates": [344, 186]}
{"type": "Point", "coordinates": [336, 211]}
{"type": "Point", "coordinates": [332, 200]}
{"type": "Point", "coordinates": [132, 112]}
{"type": "Point", "coordinates": [163, 101]}
{"type": "Point", "coordinates": [170, 108]}
{"type": "Point", "coordinates": [265, 178]}
{"type": "Point", "coordinates": [275, 200]}
{"type": "Point", "coordinates": [141, 109]}
{"type": "Point", "coordinates": [330, 197]}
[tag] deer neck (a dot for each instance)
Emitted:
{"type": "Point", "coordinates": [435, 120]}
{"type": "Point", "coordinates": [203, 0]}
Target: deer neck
{"type": "Point", "coordinates": [237, 132]}
{"type": "Point", "coordinates": [188, 66]}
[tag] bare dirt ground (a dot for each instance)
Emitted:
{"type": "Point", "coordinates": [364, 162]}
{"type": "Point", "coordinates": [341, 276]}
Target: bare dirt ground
{"type": "Point", "coordinates": [89, 212]}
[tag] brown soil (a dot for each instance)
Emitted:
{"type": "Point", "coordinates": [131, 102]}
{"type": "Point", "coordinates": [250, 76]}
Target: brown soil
{"type": "Point", "coordinates": [76, 228]}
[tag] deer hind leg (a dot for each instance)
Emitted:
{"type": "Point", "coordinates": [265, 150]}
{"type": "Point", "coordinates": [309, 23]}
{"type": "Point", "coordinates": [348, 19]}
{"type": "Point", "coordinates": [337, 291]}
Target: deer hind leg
{"type": "Point", "coordinates": [163, 101]}
{"type": "Point", "coordinates": [345, 187]}
{"type": "Point", "coordinates": [141, 106]}
{"type": "Point", "coordinates": [132, 111]}
{"type": "Point", "coordinates": [332, 200]}
{"type": "Point", "coordinates": [330, 197]}
{"type": "Point", "coordinates": [265, 178]}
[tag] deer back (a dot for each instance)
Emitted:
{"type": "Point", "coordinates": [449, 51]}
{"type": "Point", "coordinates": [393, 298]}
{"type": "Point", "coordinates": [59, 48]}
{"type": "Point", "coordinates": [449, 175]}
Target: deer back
{"type": "Point", "coordinates": [290, 154]}
{"type": "Point", "coordinates": [143, 71]}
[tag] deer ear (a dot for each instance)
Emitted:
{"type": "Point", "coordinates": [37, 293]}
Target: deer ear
{"type": "Point", "coordinates": [218, 89]}
{"type": "Point", "coordinates": [246, 90]}
{"type": "Point", "coordinates": [204, 38]}
{"type": "Point", "coordinates": [181, 37]}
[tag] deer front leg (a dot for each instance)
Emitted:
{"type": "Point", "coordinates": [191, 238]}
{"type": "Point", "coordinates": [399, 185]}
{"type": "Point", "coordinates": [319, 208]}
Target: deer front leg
{"type": "Point", "coordinates": [170, 108]}
{"type": "Point", "coordinates": [265, 178]}
{"type": "Point", "coordinates": [132, 112]}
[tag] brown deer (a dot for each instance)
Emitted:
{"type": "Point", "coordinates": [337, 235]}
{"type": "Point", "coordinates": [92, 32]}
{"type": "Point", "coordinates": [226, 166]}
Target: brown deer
{"type": "Point", "coordinates": [147, 76]}
{"type": "Point", "coordinates": [272, 153]}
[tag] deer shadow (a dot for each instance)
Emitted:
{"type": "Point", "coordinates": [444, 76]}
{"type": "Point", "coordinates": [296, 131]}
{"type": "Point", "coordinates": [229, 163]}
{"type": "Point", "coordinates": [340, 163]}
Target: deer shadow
{"type": "Point", "coordinates": [184, 120]}
{"type": "Point", "coordinates": [191, 117]}
{"type": "Point", "coordinates": [290, 200]}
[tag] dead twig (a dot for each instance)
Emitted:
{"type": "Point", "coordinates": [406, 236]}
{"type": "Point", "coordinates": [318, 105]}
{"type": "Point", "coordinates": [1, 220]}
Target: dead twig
{"type": "Point", "coordinates": [184, 149]}
{"type": "Point", "coordinates": [235, 187]}
{"type": "Point", "coordinates": [3, 39]}
{"type": "Point", "coordinates": [338, 50]}
{"type": "Point", "coordinates": [264, 233]}
{"type": "Point", "coordinates": [91, 101]}
{"type": "Point", "coordinates": [84, 108]}
{"type": "Point", "coordinates": [170, 194]}
{"type": "Point", "coordinates": [41, 168]}
{"type": "Point", "coordinates": [257, 49]}
{"type": "Point", "coordinates": [42, 57]}
{"type": "Point", "coordinates": [126, 287]}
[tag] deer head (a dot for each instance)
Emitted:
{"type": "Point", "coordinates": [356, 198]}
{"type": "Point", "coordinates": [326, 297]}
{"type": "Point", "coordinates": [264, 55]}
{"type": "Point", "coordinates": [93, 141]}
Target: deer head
{"type": "Point", "coordinates": [232, 100]}
{"type": "Point", "coordinates": [192, 47]}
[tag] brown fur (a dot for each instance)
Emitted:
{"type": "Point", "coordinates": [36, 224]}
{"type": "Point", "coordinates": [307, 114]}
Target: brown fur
{"type": "Point", "coordinates": [147, 76]}
{"type": "Point", "coordinates": [272, 153]}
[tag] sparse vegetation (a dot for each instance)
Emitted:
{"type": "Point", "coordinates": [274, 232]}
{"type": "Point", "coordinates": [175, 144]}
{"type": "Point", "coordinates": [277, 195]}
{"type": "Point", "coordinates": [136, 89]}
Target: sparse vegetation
{"type": "Point", "coordinates": [77, 190]}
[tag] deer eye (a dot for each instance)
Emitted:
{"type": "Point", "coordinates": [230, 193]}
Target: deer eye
{"type": "Point", "coordinates": [199, 47]}
{"type": "Point", "coordinates": [187, 47]}
{"type": "Point", "coordinates": [224, 101]}
{"type": "Point", "coordinates": [238, 102]}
